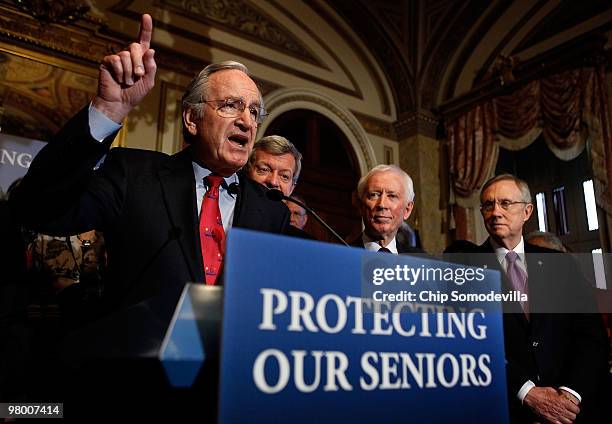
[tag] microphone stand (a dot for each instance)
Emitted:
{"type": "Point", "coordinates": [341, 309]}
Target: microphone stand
{"type": "Point", "coordinates": [277, 196]}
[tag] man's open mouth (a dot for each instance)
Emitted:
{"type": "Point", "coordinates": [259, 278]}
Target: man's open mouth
{"type": "Point", "coordinates": [239, 139]}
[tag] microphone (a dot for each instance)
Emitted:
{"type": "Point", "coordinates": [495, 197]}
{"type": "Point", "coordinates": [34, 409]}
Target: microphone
{"type": "Point", "coordinates": [233, 188]}
{"type": "Point", "coordinates": [277, 196]}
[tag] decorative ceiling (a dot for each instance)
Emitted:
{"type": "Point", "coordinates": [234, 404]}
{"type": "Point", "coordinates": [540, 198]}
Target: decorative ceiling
{"type": "Point", "coordinates": [243, 18]}
{"type": "Point", "coordinates": [429, 51]}
{"type": "Point", "coordinates": [416, 39]}
{"type": "Point", "coordinates": [37, 98]}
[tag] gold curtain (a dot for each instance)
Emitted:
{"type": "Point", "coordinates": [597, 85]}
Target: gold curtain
{"type": "Point", "coordinates": [471, 148]}
{"type": "Point", "coordinates": [566, 108]}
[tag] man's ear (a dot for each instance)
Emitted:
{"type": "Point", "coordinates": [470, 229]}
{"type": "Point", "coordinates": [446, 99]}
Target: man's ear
{"type": "Point", "coordinates": [408, 210]}
{"type": "Point", "coordinates": [189, 121]}
{"type": "Point", "coordinates": [528, 211]}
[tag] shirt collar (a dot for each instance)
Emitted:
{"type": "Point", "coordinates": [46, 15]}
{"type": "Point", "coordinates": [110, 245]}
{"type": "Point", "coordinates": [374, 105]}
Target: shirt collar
{"type": "Point", "coordinates": [373, 246]}
{"type": "Point", "coordinates": [501, 251]}
{"type": "Point", "coordinates": [202, 172]}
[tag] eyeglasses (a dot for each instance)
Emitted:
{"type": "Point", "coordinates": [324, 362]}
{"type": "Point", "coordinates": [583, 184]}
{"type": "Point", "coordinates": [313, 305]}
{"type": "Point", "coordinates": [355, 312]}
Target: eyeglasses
{"type": "Point", "coordinates": [505, 204]}
{"type": "Point", "coordinates": [232, 108]}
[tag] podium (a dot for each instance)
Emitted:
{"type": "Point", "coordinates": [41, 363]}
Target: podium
{"type": "Point", "coordinates": [155, 359]}
{"type": "Point", "coordinates": [296, 335]}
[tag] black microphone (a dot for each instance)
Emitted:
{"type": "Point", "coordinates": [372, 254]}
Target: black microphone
{"type": "Point", "coordinates": [233, 188]}
{"type": "Point", "coordinates": [277, 196]}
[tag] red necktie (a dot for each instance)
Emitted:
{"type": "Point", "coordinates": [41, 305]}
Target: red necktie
{"type": "Point", "coordinates": [212, 236]}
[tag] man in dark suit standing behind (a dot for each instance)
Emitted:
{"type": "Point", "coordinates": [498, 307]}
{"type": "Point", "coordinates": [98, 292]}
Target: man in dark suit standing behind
{"type": "Point", "coordinates": [386, 199]}
{"type": "Point", "coordinates": [149, 205]}
{"type": "Point", "coordinates": [554, 361]}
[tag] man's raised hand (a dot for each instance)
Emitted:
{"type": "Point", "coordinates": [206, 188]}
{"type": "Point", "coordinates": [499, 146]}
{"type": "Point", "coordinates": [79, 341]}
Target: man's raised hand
{"type": "Point", "coordinates": [128, 76]}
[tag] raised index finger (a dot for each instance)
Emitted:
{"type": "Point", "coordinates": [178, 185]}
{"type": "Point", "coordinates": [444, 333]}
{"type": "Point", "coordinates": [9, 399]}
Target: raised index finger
{"type": "Point", "coordinates": [146, 30]}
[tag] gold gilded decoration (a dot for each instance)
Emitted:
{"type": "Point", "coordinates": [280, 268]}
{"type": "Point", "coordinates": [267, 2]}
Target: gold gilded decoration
{"type": "Point", "coordinates": [17, 72]}
{"type": "Point", "coordinates": [57, 11]}
{"type": "Point", "coordinates": [503, 70]}
{"type": "Point", "coordinates": [242, 17]}
{"type": "Point", "coordinates": [422, 122]}
{"type": "Point", "coordinates": [39, 98]}
{"type": "Point", "coordinates": [77, 98]}
{"type": "Point", "coordinates": [48, 117]}
{"type": "Point", "coordinates": [376, 126]}
{"type": "Point", "coordinates": [82, 41]}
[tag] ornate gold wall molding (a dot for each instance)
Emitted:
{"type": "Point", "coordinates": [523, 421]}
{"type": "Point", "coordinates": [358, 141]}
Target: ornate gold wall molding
{"type": "Point", "coordinates": [421, 122]}
{"type": "Point", "coordinates": [315, 101]}
{"type": "Point", "coordinates": [376, 126]}
{"type": "Point", "coordinates": [58, 11]}
{"type": "Point", "coordinates": [81, 40]}
{"type": "Point", "coordinates": [245, 19]}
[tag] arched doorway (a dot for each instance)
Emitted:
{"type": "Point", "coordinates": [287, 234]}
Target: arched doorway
{"type": "Point", "coordinates": [330, 170]}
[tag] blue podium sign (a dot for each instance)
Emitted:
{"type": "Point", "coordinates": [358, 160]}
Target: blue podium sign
{"type": "Point", "coordinates": [302, 344]}
{"type": "Point", "coordinates": [16, 154]}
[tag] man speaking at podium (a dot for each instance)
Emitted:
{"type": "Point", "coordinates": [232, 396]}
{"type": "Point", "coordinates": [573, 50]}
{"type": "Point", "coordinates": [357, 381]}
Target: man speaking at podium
{"type": "Point", "coordinates": [164, 218]}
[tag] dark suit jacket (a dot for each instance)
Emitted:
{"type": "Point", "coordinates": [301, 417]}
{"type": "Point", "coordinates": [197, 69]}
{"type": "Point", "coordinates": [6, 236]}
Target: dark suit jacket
{"type": "Point", "coordinates": [550, 349]}
{"type": "Point", "coordinates": [401, 248]}
{"type": "Point", "coordinates": [143, 201]}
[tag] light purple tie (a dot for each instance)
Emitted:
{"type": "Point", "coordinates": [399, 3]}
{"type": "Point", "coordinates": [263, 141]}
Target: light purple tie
{"type": "Point", "coordinates": [517, 277]}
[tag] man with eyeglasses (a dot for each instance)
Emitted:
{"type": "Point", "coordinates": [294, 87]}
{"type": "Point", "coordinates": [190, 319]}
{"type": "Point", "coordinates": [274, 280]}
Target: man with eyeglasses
{"type": "Point", "coordinates": [299, 216]}
{"type": "Point", "coordinates": [555, 362]}
{"type": "Point", "coordinates": [165, 218]}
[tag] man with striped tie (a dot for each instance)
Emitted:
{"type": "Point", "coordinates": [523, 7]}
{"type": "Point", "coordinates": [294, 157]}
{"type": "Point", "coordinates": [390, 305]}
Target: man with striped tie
{"type": "Point", "coordinates": [555, 361]}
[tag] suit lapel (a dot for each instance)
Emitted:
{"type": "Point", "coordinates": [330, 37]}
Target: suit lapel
{"type": "Point", "coordinates": [536, 271]}
{"type": "Point", "coordinates": [178, 189]}
{"type": "Point", "coordinates": [253, 215]}
{"type": "Point", "coordinates": [358, 242]}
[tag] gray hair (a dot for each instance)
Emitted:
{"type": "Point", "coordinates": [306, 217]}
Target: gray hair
{"type": "Point", "coordinates": [522, 185]}
{"type": "Point", "coordinates": [277, 145]}
{"type": "Point", "coordinates": [408, 185]}
{"type": "Point", "coordinates": [197, 90]}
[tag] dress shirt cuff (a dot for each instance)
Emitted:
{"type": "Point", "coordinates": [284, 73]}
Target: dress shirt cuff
{"type": "Point", "coordinates": [567, 389]}
{"type": "Point", "coordinates": [524, 390]}
{"type": "Point", "coordinates": [100, 125]}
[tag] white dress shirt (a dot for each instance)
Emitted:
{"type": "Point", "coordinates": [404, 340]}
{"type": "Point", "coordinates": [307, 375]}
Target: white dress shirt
{"type": "Point", "coordinates": [373, 246]}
